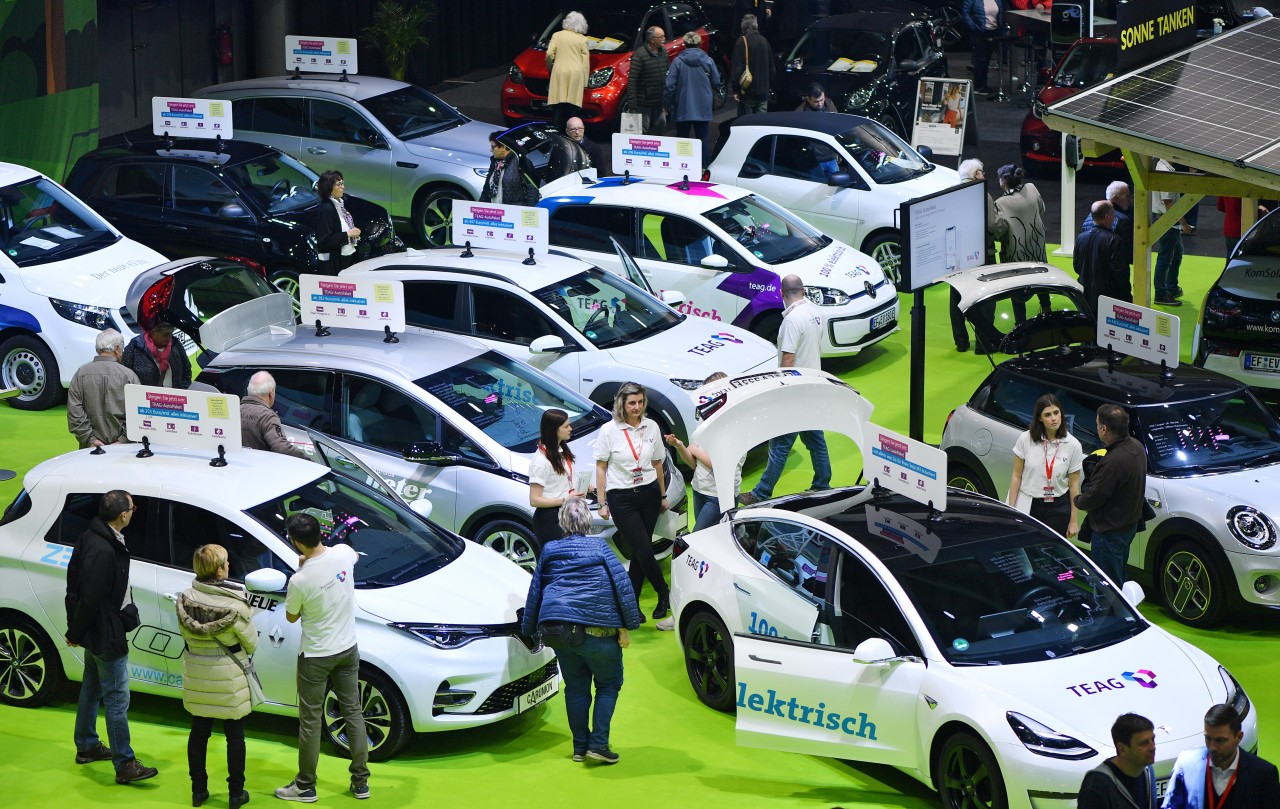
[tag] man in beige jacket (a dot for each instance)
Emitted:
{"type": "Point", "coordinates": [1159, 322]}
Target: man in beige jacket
{"type": "Point", "coordinates": [95, 399]}
{"type": "Point", "coordinates": [259, 425]}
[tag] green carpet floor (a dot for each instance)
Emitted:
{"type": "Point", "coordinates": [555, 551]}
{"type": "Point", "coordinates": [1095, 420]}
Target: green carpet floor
{"type": "Point", "coordinates": [674, 751]}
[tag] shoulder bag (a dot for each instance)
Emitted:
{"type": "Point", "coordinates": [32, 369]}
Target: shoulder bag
{"type": "Point", "coordinates": [256, 695]}
{"type": "Point", "coordinates": [744, 81]}
{"type": "Point", "coordinates": [561, 635]}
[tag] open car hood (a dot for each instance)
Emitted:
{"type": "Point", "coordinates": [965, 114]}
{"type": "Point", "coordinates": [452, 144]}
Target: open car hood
{"type": "Point", "coordinates": [988, 294]}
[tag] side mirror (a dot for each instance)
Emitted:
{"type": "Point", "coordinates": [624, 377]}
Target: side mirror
{"type": "Point", "coordinates": [925, 152]}
{"type": "Point", "coordinates": [672, 298]}
{"type": "Point", "coordinates": [1133, 593]}
{"type": "Point", "coordinates": [233, 210]}
{"type": "Point", "coordinates": [908, 66]}
{"type": "Point", "coordinates": [430, 453]}
{"type": "Point", "coordinates": [265, 580]}
{"type": "Point", "coordinates": [751, 171]}
{"type": "Point", "coordinates": [873, 650]}
{"type": "Point", "coordinates": [422, 508]}
{"type": "Point", "coordinates": [841, 179]}
{"type": "Point", "coordinates": [547, 344]}
{"type": "Point", "coordinates": [714, 262]}
{"type": "Point", "coordinates": [370, 136]}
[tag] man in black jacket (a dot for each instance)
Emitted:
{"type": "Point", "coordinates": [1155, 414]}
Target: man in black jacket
{"type": "Point", "coordinates": [1126, 780]}
{"type": "Point", "coordinates": [648, 80]}
{"type": "Point", "coordinates": [1236, 777]}
{"type": "Point", "coordinates": [751, 50]}
{"type": "Point", "coordinates": [97, 592]}
{"type": "Point", "coordinates": [507, 184]}
{"type": "Point", "coordinates": [1099, 258]}
{"type": "Point", "coordinates": [1113, 492]}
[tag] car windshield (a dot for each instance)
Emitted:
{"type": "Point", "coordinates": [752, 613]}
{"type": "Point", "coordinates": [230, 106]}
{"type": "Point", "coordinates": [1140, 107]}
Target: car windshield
{"type": "Point", "coordinates": [608, 30]}
{"type": "Point", "coordinates": [1262, 241]}
{"type": "Point", "coordinates": [607, 310]}
{"type": "Point", "coordinates": [506, 399]}
{"type": "Point", "coordinates": [840, 50]}
{"type": "Point", "coordinates": [395, 544]}
{"type": "Point", "coordinates": [411, 112]}
{"type": "Point", "coordinates": [1221, 433]}
{"type": "Point", "coordinates": [1086, 65]}
{"type": "Point", "coordinates": [277, 183]}
{"type": "Point", "coordinates": [882, 154]}
{"type": "Point", "coordinates": [768, 232]}
{"type": "Point", "coordinates": [40, 223]}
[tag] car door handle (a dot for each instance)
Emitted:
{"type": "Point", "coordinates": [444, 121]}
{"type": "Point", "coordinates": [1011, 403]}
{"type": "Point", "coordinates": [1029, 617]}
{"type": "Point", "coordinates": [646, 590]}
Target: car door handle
{"type": "Point", "coordinates": [317, 150]}
{"type": "Point", "coordinates": [765, 660]}
{"type": "Point", "coordinates": [402, 164]}
{"type": "Point", "coordinates": [171, 597]}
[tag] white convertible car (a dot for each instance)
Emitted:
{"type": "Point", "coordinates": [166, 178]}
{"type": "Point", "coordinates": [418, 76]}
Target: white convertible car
{"type": "Point", "coordinates": [971, 647]}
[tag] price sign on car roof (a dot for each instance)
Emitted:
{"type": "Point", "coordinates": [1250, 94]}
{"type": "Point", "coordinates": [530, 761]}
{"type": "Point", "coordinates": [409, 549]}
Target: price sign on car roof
{"type": "Point", "coordinates": [182, 418]}
{"type": "Point", "coordinates": [191, 117]}
{"type": "Point", "coordinates": [1144, 333]}
{"type": "Point", "coordinates": [320, 54]}
{"type": "Point", "coordinates": [657, 156]}
{"type": "Point", "coordinates": [506, 227]}
{"type": "Point", "coordinates": [352, 302]}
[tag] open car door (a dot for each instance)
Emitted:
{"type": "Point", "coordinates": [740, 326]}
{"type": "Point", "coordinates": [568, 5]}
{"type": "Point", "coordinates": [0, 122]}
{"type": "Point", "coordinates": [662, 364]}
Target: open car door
{"type": "Point", "coordinates": [1022, 307]}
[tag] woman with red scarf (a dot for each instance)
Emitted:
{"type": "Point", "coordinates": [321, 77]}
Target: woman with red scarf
{"type": "Point", "coordinates": [157, 358]}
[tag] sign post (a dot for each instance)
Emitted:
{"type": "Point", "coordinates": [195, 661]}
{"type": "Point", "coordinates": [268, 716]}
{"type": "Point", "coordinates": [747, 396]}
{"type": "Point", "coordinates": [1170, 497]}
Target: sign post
{"type": "Point", "coordinates": [320, 54]}
{"type": "Point", "coordinates": [191, 117]}
{"type": "Point", "coordinates": [506, 227]}
{"type": "Point", "coordinates": [657, 156]}
{"type": "Point", "coordinates": [183, 418]}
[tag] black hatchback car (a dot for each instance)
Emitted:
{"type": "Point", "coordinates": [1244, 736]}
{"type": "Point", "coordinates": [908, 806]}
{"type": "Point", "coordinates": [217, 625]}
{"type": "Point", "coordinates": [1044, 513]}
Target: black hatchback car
{"type": "Point", "coordinates": [247, 201]}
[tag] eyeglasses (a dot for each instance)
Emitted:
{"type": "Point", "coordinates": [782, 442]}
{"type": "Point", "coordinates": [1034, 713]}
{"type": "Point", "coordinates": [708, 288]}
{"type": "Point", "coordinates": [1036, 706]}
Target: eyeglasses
{"type": "Point", "coordinates": [576, 129]}
{"type": "Point", "coordinates": [340, 182]}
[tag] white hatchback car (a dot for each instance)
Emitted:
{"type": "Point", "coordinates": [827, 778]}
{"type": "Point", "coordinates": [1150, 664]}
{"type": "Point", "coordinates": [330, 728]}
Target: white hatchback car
{"type": "Point", "coordinates": [973, 648]}
{"type": "Point", "coordinates": [64, 271]}
{"type": "Point", "coordinates": [589, 328]}
{"type": "Point", "coordinates": [440, 642]}
{"type": "Point", "coordinates": [726, 250]}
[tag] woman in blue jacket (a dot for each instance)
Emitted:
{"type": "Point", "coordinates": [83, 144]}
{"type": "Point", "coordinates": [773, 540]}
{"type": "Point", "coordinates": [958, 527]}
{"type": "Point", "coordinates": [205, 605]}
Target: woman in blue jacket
{"type": "Point", "coordinates": [690, 94]}
{"type": "Point", "coordinates": [580, 581]}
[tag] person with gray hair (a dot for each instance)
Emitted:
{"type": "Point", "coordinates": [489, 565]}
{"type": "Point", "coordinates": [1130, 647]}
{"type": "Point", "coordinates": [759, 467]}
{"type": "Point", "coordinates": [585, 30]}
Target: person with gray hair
{"type": "Point", "coordinates": [581, 590]}
{"type": "Point", "coordinates": [1121, 199]}
{"type": "Point", "coordinates": [751, 68]}
{"type": "Point", "coordinates": [569, 62]}
{"type": "Point", "coordinates": [260, 426]}
{"type": "Point", "coordinates": [1098, 258]}
{"type": "Point", "coordinates": [648, 80]}
{"type": "Point", "coordinates": [95, 399]}
{"type": "Point", "coordinates": [997, 227]}
{"type": "Point", "coordinates": [690, 92]}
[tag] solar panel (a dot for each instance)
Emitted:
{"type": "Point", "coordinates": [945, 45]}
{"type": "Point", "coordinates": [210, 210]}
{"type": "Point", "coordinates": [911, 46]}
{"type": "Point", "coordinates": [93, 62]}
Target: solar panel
{"type": "Point", "coordinates": [1220, 98]}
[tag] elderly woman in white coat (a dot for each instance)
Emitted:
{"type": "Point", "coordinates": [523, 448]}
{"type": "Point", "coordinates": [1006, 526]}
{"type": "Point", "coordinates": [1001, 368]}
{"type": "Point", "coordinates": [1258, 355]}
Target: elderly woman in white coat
{"type": "Point", "coordinates": [569, 62]}
{"type": "Point", "coordinates": [214, 618]}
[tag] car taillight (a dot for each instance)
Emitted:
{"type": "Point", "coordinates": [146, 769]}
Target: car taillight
{"type": "Point", "coordinates": [706, 175]}
{"type": "Point", "coordinates": [251, 264]}
{"type": "Point", "coordinates": [678, 547]}
{"type": "Point", "coordinates": [154, 301]}
{"type": "Point", "coordinates": [947, 423]}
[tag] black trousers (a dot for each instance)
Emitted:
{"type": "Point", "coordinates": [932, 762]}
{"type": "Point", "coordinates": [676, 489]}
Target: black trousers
{"type": "Point", "coordinates": [198, 749]}
{"type": "Point", "coordinates": [1056, 515]}
{"type": "Point", "coordinates": [546, 524]}
{"type": "Point", "coordinates": [980, 45]}
{"type": "Point", "coordinates": [635, 512]}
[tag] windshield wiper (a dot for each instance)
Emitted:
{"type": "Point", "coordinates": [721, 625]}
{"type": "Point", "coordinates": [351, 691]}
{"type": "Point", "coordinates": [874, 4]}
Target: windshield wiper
{"type": "Point", "coordinates": [430, 130]}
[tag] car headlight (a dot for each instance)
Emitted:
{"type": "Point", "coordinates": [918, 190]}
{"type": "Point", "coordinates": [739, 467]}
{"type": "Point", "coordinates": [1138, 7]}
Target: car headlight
{"type": "Point", "coordinates": [859, 98]}
{"type": "Point", "coordinates": [453, 636]}
{"type": "Point", "coordinates": [599, 78]}
{"type": "Point", "coordinates": [1251, 527]}
{"type": "Point", "coordinates": [796, 64]}
{"type": "Point", "coordinates": [95, 317]}
{"type": "Point", "coordinates": [515, 75]}
{"type": "Point", "coordinates": [826, 296]}
{"type": "Point", "coordinates": [1045, 741]}
{"type": "Point", "coordinates": [1236, 697]}
{"type": "Point", "coordinates": [686, 384]}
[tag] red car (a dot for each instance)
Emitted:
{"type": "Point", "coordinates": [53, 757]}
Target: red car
{"type": "Point", "coordinates": [615, 29]}
{"type": "Point", "coordinates": [1087, 62]}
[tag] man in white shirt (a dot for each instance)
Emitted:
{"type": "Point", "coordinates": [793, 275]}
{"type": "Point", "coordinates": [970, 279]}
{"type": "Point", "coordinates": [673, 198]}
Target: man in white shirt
{"type": "Point", "coordinates": [322, 594]}
{"type": "Point", "coordinates": [799, 346]}
{"type": "Point", "coordinates": [1168, 247]}
{"type": "Point", "coordinates": [1221, 774]}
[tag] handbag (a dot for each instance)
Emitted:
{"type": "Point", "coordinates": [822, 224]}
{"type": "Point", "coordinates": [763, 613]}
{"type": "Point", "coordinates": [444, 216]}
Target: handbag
{"type": "Point", "coordinates": [129, 618]}
{"type": "Point", "coordinates": [561, 635]}
{"type": "Point", "coordinates": [256, 694]}
{"type": "Point", "coordinates": [744, 81]}
{"type": "Point", "coordinates": [632, 123]}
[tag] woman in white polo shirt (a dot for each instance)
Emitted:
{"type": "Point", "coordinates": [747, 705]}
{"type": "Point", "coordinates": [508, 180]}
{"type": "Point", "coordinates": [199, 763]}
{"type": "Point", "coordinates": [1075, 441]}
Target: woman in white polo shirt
{"type": "Point", "coordinates": [629, 455]}
{"type": "Point", "coordinates": [551, 475]}
{"type": "Point", "coordinates": [1047, 460]}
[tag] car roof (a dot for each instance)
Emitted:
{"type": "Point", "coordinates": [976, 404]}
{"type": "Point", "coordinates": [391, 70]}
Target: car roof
{"type": "Point", "coordinates": [191, 150]}
{"type": "Point", "coordinates": [250, 477]}
{"type": "Point", "coordinates": [876, 21]}
{"type": "Point", "coordinates": [1130, 382]}
{"type": "Point", "coordinates": [829, 123]}
{"type": "Point", "coordinates": [357, 87]}
{"type": "Point", "coordinates": [499, 265]}
{"type": "Point", "coordinates": [661, 192]}
{"type": "Point", "coordinates": [11, 173]}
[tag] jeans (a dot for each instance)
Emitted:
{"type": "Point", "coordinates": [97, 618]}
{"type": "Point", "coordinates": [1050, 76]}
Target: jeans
{"type": "Point", "coordinates": [1168, 260]}
{"type": "Point", "coordinates": [601, 659]}
{"type": "Point", "coordinates": [780, 447]}
{"type": "Point", "coordinates": [746, 106]}
{"type": "Point", "coordinates": [706, 510]}
{"type": "Point", "coordinates": [313, 680]}
{"type": "Point", "coordinates": [700, 130]}
{"type": "Point", "coordinates": [198, 750]}
{"type": "Point", "coordinates": [1110, 551]}
{"type": "Point", "coordinates": [635, 512]}
{"type": "Point", "coordinates": [106, 680]}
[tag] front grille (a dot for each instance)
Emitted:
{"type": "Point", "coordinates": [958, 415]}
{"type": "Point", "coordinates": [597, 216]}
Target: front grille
{"type": "Point", "coordinates": [505, 696]}
{"type": "Point", "coordinates": [537, 87]}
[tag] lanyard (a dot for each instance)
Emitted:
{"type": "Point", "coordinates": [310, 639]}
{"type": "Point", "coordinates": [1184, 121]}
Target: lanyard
{"type": "Point", "coordinates": [627, 434]}
{"type": "Point", "coordinates": [568, 463]}
{"type": "Point", "coordinates": [1049, 462]}
{"type": "Point", "coordinates": [1208, 786]}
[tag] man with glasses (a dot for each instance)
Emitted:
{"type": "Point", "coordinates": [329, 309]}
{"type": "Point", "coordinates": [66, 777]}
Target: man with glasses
{"type": "Point", "coordinates": [595, 155]}
{"type": "Point", "coordinates": [648, 80]}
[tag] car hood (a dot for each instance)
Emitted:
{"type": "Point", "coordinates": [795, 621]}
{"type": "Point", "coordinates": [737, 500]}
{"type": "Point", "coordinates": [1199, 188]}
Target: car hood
{"type": "Point", "coordinates": [837, 265]}
{"type": "Point", "coordinates": [1255, 487]}
{"type": "Point", "coordinates": [696, 348]}
{"type": "Point", "coordinates": [1243, 277]}
{"type": "Point", "coordinates": [101, 278]}
{"type": "Point", "coordinates": [479, 587]}
{"type": "Point", "coordinates": [466, 145]}
{"type": "Point", "coordinates": [533, 61]}
{"type": "Point", "coordinates": [838, 84]}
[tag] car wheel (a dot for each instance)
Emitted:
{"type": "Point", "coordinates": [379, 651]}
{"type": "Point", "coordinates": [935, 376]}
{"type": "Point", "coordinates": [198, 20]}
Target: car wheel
{"type": "Point", "coordinates": [433, 216]}
{"type": "Point", "coordinates": [511, 539]}
{"type": "Point", "coordinates": [708, 658]}
{"type": "Point", "coordinates": [767, 327]}
{"type": "Point", "coordinates": [886, 249]}
{"type": "Point", "coordinates": [954, 31]}
{"type": "Point", "coordinates": [968, 775]}
{"type": "Point", "coordinates": [962, 477]}
{"type": "Point", "coordinates": [27, 363]}
{"type": "Point", "coordinates": [286, 280]}
{"type": "Point", "coordinates": [386, 717]}
{"type": "Point", "coordinates": [1191, 586]}
{"type": "Point", "coordinates": [30, 670]}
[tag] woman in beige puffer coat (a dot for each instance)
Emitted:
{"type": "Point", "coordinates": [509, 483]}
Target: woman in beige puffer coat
{"type": "Point", "coordinates": [213, 685]}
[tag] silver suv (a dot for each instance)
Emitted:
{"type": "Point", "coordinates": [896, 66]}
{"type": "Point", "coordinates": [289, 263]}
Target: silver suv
{"type": "Point", "coordinates": [395, 143]}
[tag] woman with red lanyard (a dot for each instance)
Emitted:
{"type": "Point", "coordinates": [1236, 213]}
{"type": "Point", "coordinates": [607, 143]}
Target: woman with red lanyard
{"type": "Point", "coordinates": [1047, 460]}
{"type": "Point", "coordinates": [629, 453]}
{"type": "Point", "coordinates": [551, 475]}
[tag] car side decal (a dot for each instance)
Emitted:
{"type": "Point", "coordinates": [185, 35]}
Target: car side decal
{"type": "Point", "coordinates": [11, 318]}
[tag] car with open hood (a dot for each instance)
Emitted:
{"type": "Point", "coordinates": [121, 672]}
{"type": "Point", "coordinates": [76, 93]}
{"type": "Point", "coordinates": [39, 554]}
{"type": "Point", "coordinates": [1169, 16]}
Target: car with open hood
{"type": "Point", "coordinates": [1213, 449]}
{"type": "Point", "coordinates": [963, 643]}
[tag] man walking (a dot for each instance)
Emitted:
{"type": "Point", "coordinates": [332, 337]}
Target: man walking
{"type": "Point", "coordinates": [799, 346]}
{"type": "Point", "coordinates": [1098, 261]}
{"type": "Point", "coordinates": [323, 594]}
{"type": "Point", "coordinates": [95, 399]}
{"type": "Point", "coordinates": [648, 81]}
{"type": "Point", "coordinates": [1113, 492]}
{"type": "Point", "coordinates": [1126, 780]}
{"type": "Point", "coordinates": [260, 426]}
{"type": "Point", "coordinates": [1234, 779]}
{"type": "Point", "coordinates": [98, 623]}
{"type": "Point", "coordinates": [751, 68]}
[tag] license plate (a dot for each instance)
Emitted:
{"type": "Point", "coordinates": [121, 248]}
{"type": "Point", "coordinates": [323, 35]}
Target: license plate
{"type": "Point", "coordinates": [538, 695]}
{"type": "Point", "coordinates": [881, 320]}
{"type": "Point", "coordinates": [1269, 363]}
{"type": "Point", "coordinates": [1162, 787]}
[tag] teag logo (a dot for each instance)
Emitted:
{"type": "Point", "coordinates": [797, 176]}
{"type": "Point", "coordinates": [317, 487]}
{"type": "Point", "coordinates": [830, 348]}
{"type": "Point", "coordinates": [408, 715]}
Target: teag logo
{"type": "Point", "coordinates": [1143, 677]}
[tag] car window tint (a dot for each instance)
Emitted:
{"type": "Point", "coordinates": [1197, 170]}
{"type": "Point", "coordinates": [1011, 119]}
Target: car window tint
{"type": "Point", "coordinates": [191, 527]}
{"type": "Point", "coordinates": [761, 156]}
{"type": "Point", "coordinates": [337, 122]}
{"type": "Point", "coordinates": [141, 184]}
{"type": "Point", "coordinates": [862, 608]}
{"type": "Point", "coordinates": [303, 398]}
{"type": "Point", "coordinates": [199, 191]}
{"type": "Point", "coordinates": [452, 439]}
{"type": "Point", "coordinates": [278, 116]}
{"type": "Point", "coordinates": [796, 555]}
{"type": "Point", "coordinates": [385, 417]}
{"type": "Point", "coordinates": [500, 315]}
{"type": "Point", "coordinates": [801, 158]}
{"type": "Point", "coordinates": [81, 508]}
{"type": "Point", "coordinates": [908, 45]}
{"type": "Point", "coordinates": [681, 19]}
{"type": "Point", "coordinates": [666, 237]}
{"type": "Point", "coordinates": [431, 304]}
{"type": "Point", "coordinates": [276, 182]}
{"type": "Point", "coordinates": [588, 227]}
{"type": "Point", "coordinates": [1012, 398]}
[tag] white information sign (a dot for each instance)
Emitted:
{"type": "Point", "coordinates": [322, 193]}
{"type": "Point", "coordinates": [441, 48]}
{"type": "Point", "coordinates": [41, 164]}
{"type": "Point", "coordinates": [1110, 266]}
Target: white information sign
{"type": "Point", "coordinates": [657, 156]}
{"type": "Point", "coordinates": [906, 466]}
{"type": "Point", "coordinates": [182, 418]}
{"type": "Point", "coordinates": [941, 107]}
{"type": "Point", "coordinates": [946, 232]}
{"type": "Point", "coordinates": [507, 227]}
{"type": "Point", "coordinates": [191, 117]}
{"type": "Point", "coordinates": [1144, 333]}
{"type": "Point", "coordinates": [352, 302]}
{"type": "Point", "coordinates": [320, 54]}
{"type": "Point", "coordinates": [904, 532]}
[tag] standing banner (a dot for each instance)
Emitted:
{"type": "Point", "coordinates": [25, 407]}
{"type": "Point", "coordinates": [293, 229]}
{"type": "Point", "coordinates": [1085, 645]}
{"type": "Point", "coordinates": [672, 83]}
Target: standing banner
{"type": "Point", "coordinates": [191, 117]}
{"type": "Point", "coordinates": [320, 54]}
{"type": "Point", "coordinates": [352, 302]}
{"type": "Point", "coordinates": [941, 110]}
{"type": "Point", "coordinates": [183, 418]}
{"type": "Point", "coordinates": [506, 227]}
{"type": "Point", "coordinates": [1148, 334]}
{"type": "Point", "coordinates": [657, 156]}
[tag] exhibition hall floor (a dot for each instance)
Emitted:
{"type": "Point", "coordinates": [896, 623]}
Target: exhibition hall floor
{"type": "Point", "coordinates": [673, 750]}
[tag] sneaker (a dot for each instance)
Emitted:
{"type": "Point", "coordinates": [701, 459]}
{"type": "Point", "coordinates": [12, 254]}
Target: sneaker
{"type": "Point", "coordinates": [134, 770]}
{"type": "Point", "coordinates": [748, 498]}
{"type": "Point", "coordinates": [99, 752]}
{"type": "Point", "coordinates": [293, 792]}
{"type": "Point", "coordinates": [579, 756]}
{"type": "Point", "coordinates": [1168, 302]}
{"type": "Point", "coordinates": [667, 625]}
{"type": "Point", "coordinates": [361, 791]}
{"type": "Point", "coordinates": [1177, 292]}
{"type": "Point", "coordinates": [605, 756]}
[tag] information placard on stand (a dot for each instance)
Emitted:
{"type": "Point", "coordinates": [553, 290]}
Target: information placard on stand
{"type": "Point", "coordinates": [657, 156]}
{"type": "Point", "coordinates": [320, 54]}
{"type": "Point", "coordinates": [1144, 333]}
{"type": "Point", "coordinates": [185, 418]}
{"type": "Point", "coordinates": [911, 468]}
{"type": "Point", "coordinates": [191, 117]}
{"type": "Point", "coordinates": [941, 113]}
{"type": "Point", "coordinates": [506, 227]}
{"type": "Point", "coordinates": [352, 302]}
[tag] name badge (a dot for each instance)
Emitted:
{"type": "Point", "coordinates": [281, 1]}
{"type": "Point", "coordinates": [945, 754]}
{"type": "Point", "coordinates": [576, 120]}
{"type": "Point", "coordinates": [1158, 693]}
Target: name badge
{"type": "Point", "coordinates": [1048, 494]}
{"type": "Point", "coordinates": [637, 476]}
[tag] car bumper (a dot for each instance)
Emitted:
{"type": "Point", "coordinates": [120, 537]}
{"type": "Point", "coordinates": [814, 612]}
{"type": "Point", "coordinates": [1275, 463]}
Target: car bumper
{"type": "Point", "coordinates": [1234, 367]}
{"type": "Point", "coordinates": [600, 107]}
{"type": "Point", "coordinates": [1257, 576]}
{"type": "Point", "coordinates": [847, 334]}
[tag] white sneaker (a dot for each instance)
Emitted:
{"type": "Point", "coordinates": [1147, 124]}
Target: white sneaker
{"type": "Point", "coordinates": [667, 624]}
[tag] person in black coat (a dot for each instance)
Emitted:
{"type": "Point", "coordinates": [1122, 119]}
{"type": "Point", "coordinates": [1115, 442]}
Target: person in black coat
{"type": "Point", "coordinates": [751, 50]}
{"type": "Point", "coordinates": [157, 358]}
{"type": "Point", "coordinates": [507, 184]}
{"type": "Point", "coordinates": [97, 588]}
{"type": "Point", "coordinates": [1099, 258]}
{"type": "Point", "coordinates": [577, 130]}
{"type": "Point", "coordinates": [1238, 778]}
{"type": "Point", "coordinates": [336, 231]}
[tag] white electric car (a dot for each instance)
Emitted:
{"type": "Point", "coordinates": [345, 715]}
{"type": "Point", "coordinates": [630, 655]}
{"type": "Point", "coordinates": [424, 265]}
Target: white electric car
{"type": "Point", "coordinates": [440, 643]}
{"type": "Point", "coordinates": [972, 648]}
